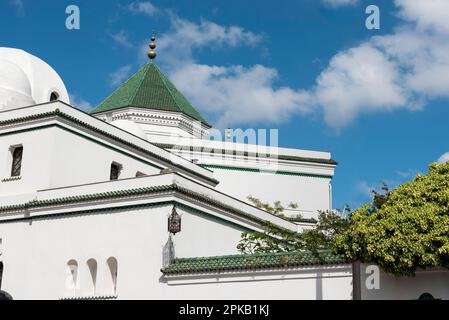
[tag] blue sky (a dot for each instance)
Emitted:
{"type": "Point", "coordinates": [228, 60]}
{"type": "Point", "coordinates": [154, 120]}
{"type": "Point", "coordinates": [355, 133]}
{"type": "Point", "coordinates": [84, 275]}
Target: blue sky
{"type": "Point", "coordinates": [376, 99]}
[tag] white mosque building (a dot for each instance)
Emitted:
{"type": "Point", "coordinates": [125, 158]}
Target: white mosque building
{"type": "Point", "coordinates": [134, 201]}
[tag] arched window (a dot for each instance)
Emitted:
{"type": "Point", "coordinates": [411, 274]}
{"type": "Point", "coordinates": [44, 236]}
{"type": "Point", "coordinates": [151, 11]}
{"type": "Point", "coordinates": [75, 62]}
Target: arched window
{"type": "Point", "coordinates": [93, 268]}
{"type": "Point", "coordinates": [16, 167]}
{"type": "Point", "coordinates": [426, 296]}
{"type": "Point", "coordinates": [72, 277]}
{"type": "Point", "coordinates": [112, 281]}
{"type": "Point", "coordinates": [1, 274]}
{"type": "Point", "coordinates": [54, 96]}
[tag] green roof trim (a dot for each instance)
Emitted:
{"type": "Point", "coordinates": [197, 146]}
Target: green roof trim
{"type": "Point", "coordinates": [285, 173]}
{"type": "Point", "coordinates": [247, 262]}
{"type": "Point", "coordinates": [110, 210]}
{"type": "Point", "coordinates": [149, 88]}
{"type": "Point", "coordinates": [130, 193]}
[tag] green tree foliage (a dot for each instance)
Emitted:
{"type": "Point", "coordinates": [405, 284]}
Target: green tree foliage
{"type": "Point", "coordinates": [276, 239]}
{"type": "Point", "coordinates": [379, 198]}
{"type": "Point", "coordinates": [277, 208]}
{"type": "Point", "coordinates": [403, 229]}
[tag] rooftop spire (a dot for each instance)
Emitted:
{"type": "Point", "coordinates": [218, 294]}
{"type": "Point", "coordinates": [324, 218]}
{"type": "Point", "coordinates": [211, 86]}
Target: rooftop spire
{"type": "Point", "coordinates": [152, 54]}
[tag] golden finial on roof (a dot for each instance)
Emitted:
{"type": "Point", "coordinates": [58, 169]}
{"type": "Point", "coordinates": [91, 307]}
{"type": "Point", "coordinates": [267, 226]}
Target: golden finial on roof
{"type": "Point", "coordinates": [152, 54]}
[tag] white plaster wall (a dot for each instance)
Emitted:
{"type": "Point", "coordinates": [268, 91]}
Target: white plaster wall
{"type": "Point", "coordinates": [308, 183]}
{"type": "Point", "coordinates": [35, 254]}
{"type": "Point", "coordinates": [204, 236]}
{"type": "Point", "coordinates": [79, 161]}
{"type": "Point", "coordinates": [38, 147]}
{"type": "Point", "coordinates": [35, 257]}
{"type": "Point", "coordinates": [164, 130]}
{"type": "Point", "coordinates": [158, 123]}
{"type": "Point", "coordinates": [310, 193]}
{"type": "Point", "coordinates": [53, 157]}
{"type": "Point", "coordinates": [315, 284]}
{"type": "Point", "coordinates": [435, 282]}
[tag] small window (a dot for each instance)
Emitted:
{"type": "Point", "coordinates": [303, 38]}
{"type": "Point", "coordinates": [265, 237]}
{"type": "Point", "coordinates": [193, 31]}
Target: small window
{"type": "Point", "coordinates": [17, 154]}
{"type": "Point", "coordinates": [54, 96]}
{"type": "Point", "coordinates": [115, 171]}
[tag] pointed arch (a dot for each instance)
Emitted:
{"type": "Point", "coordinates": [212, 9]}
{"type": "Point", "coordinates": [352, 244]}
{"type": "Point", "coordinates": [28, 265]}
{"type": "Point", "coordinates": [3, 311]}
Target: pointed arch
{"type": "Point", "coordinates": [72, 278]}
{"type": "Point", "coordinates": [93, 271]}
{"type": "Point", "coordinates": [112, 279]}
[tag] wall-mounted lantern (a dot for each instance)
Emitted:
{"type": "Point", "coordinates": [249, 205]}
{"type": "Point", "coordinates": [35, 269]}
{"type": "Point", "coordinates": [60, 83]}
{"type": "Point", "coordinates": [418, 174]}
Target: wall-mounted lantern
{"type": "Point", "coordinates": [174, 222]}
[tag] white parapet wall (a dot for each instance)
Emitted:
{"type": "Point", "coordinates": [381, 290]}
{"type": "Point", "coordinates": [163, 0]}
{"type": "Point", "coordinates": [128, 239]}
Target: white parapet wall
{"type": "Point", "coordinates": [378, 285]}
{"type": "Point", "coordinates": [268, 173]}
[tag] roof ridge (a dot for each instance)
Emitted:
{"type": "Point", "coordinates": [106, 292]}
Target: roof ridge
{"type": "Point", "coordinates": [264, 261]}
{"type": "Point", "coordinates": [141, 81]}
{"type": "Point", "coordinates": [150, 88]}
{"type": "Point", "coordinates": [266, 254]}
{"type": "Point", "coordinates": [118, 87]}
{"type": "Point", "coordinates": [169, 85]}
{"type": "Point", "coordinates": [163, 78]}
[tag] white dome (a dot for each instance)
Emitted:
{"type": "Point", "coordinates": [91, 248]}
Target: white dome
{"type": "Point", "coordinates": [15, 88]}
{"type": "Point", "coordinates": [131, 127]}
{"type": "Point", "coordinates": [24, 74]}
{"type": "Point", "coordinates": [13, 78]}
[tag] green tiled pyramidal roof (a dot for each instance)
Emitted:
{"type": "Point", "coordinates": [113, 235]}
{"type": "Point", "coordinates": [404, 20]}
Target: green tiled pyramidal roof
{"type": "Point", "coordinates": [253, 262]}
{"type": "Point", "coordinates": [149, 88]}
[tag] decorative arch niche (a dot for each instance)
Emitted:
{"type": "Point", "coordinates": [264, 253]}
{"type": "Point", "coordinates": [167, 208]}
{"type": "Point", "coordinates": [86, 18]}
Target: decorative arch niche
{"type": "Point", "coordinates": [72, 277]}
{"type": "Point", "coordinates": [112, 275]}
{"type": "Point", "coordinates": [93, 270]}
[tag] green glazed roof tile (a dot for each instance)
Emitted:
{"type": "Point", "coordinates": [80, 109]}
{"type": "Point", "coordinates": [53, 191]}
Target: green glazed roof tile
{"type": "Point", "coordinates": [149, 88]}
{"type": "Point", "coordinates": [253, 262]}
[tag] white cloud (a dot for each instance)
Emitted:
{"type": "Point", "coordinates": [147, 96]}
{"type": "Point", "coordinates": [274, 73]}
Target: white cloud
{"type": "Point", "coordinates": [19, 6]}
{"type": "Point", "coordinates": [122, 39]}
{"type": "Point", "coordinates": [365, 189]}
{"type": "Point", "coordinates": [185, 36]}
{"type": "Point", "coordinates": [357, 81]}
{"type": "Point", "coordinates": [444, 158]}
{"type": "Point", "coordinates": [407, 174]}
{"type": "Point", "coordinates": [404, 69]}
{"type": "Point", "coordinates": [339, 3]}
{"type": "Point", "coordinates": [233, 94]}
{"type": "Point", "coordinates": [428, 15]}
{"type": "Point", "coordinates": [239, 95]}
{"type": "Point", "coordinates": [142, 7]}
{"type": "Point", "coordinates": [80, 103]}
{"type": "Point", "coordinates": [117, 77]}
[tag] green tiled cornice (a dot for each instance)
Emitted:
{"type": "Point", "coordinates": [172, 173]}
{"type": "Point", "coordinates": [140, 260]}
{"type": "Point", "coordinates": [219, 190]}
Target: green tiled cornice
{"type": "Point", "coordinates": [89, 198]}
{"type": "Point", "coordinates": [58, 113]}
{"type": "Point", "coordinates": [253, 262]}
{"type": "Point", "coordinates": [302, 220]}
{"type": "Point", "coordinates": [122, 194]}
{"type": "Point", "coordinates": [287, 173]}
{"type": "Point", "coordinates": [149, 88]}
{"type": "Point", "coordinates": [112, 209]}
{"type": "Point", "coordinates": [11, 179]}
